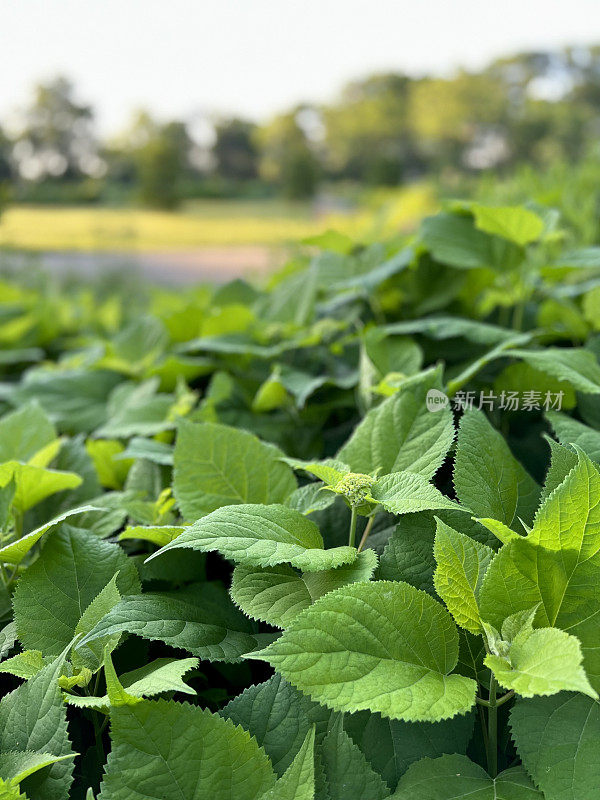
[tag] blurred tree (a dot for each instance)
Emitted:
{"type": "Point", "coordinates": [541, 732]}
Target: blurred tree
{"type": "Point", "coordinates": [234, 151]}
{"type": "Point", "coordinates": [6, 172]}
{"type": "Point", "coordinates": [159, 153]}
{"type": "Point", "coordinates": [56, 137]}
{"type": "Point", "coordinates": [286, 156]}
{"type": "Point", "coordinates": [367, 133]}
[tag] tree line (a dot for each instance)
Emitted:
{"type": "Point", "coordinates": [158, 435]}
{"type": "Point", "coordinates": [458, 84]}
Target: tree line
{"type": "Point", "coordinates": [536, 107]}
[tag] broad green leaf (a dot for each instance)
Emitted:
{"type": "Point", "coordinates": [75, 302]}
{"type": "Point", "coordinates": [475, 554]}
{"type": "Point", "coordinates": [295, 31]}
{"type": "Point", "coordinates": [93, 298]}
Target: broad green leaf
{"type": "Point", "coordinates": [157, 534]}
{"type": "Point", "coordinates": [440, 327]}
{"type": "Point", "coordinates": [408, 492]}
{"type": "Point", "coordinates": [15, 552]}
{"type": "Point", "coordinates": [148, 449]}
{"type": "Point", "coordinates": [24, 432]}
{"type": "Point", "coordinates": [558, 739]}
{"type": "Point", "coordinates": [54, 592]}
{"type": "Point", "coordinates": [298, 781]}
{"type": "Point", "coordinates": [8, 791]}
{"type": "Point", "coordinates": [137, 410]}
{"type": "Point", "coordinates": [200, 619]}
{"type": "Point", "coordinates": [461, 565]}
{"type": "Point", "coordinates": [515, 223]}
{"type": "Point", "coordinates": [454, 240]}
{"type": "Point", "coordinates": [544, 661]}
{"type": "Point", "coordinates": [455, 777]}
{"type": "Point", "coordinates": [330, 471]}
{"type": "Point", "coordinates": [555, 566]}
{"type": "Point", "coordinates": [34, 484]}
{"type": "Point", "coordinates": [216, 465]}
{"type": "Point", "coordinates": [562, 461]}
{"type": "Point", "coordinates": [111, 471]}
{"type": "Point", "coordinates": [573, 364]}
{"type": "Point", "coordinates": [92, 656]}
{"type": "Point", "coordinates": [206, 756]}
{"type": "Point", "coordinates": [570, 431]}
{"type": "Point", "coordinates": [310, 498]}
{"type": "Point", "coordinates": [541, 388]}
{"type": "Point", "coordinates": [16, 765]}
{"type": "Point", "coordinates": [279, 717]}
{"type": "Point", "coordinates": [24, 665]}
{"type": "Point", "coordinates": [277, 594]}
{"type": "Point", "coordinates": [401, 434]}
{"type": "Point", "coordinates": [383, 646]}
{"type": "Point", "coordinates": [348, 774]}
{"type": "Point", "coordinates": [262, 536]}
{"type": "Point", "coordinates": [8, 637]}
{"type": "Point", "coordinates": [487, 477]}
{"type": "Point", "coordinates": [391, 746]}
{"type": "Point", "coordinates": [33, 718]}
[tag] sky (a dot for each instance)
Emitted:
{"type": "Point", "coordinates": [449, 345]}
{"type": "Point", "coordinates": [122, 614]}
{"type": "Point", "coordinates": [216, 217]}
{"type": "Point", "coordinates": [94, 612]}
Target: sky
{"type": "Point", "coordinates": [184, 58]}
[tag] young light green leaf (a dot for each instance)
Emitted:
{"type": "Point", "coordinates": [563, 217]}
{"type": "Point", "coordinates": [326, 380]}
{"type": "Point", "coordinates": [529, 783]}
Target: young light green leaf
{"type": "Point", "coordinates": [262, 536]}
{"type": "Point", "coordinates": [562, 461]}
{"type": "Point", "coordinates": [455, 777]}
{"type": "Point", "coordinates": [24, 665]}
{"type": "Point", "coordinates": [53, 593]}
{"type": "Point", "coordinates": [515, 223]}
{"type": "Point", "coordinates": [207, 756]}
{"type": "Point", "coordinates": [34, 484]}
{"type": "Point", "coordinates": [487, 477]}
{"type": "Point", "coordinates": [557, 738]}
{"type": "Point", "coordinates": [408, 492]}
{"type": "Point", "coordinates": [401, 434]}
{"type": "Point", "coordinates": [216, 465]}
{"type": "Point", "coordinates": [555, 566]}
{"type": "Point", "coordinates": [544, 661]}
{"type": "Point", "coordinates": [157, 534]}
{"type": "Point", "coordinates": [15, 552]}
{"type": "Point", "coordinates": [200, 619]}
{"type": "Point", "coordinates": [24, 431]}
{"type": "Point", "coordinates": [461, 565]}
{"type": "Point", "coordinates": [395, 648]}
{"type": "Point", "coordinates": [276, 595]}
{"type": "Point", "coordinates": [298, 781]}
{"type": "Point", "coordinates": [92, 655]}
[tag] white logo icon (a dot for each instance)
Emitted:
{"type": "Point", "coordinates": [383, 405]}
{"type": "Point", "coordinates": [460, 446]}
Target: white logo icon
{"type": "Point", "coordinates": [436, 400]}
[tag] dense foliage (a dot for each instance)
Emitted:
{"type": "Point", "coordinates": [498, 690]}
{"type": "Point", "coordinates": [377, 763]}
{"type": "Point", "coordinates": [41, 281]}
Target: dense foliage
{"type": "Point", "coordinates": [337, 537]}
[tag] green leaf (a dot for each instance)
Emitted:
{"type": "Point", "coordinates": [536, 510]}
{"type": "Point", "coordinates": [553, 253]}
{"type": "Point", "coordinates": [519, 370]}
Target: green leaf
{"type": "Point", "coordinates": [455, 777]}
{"type": "Point", "coordinates": [111, 471]}
{"type": "Point", "coordinates": [92, 656]}
{"type": "Point", "coordinates": [33, 718]}
{"type": "Point", "coordinates": [15, 552]}
{"type": "Point", "coordinates": [8, 637]}
{"type": "Point", "coordinates": [555, 566]}
{"type": "Point", "coordinates": [54, 592]}
{"type": "Point", "coordinates": [391, 746]}
{"type": "Point", "coordinates": [487, 477]}
{"type": "Point", "coordinates": [276, 595]}
{"type": "Point", "coordinates": [543, 661]}
{"type": "Point", "coordinates": [573, 364]}
{"type": "Point", "coordinates": [206, 756]}
{"type": "Point", "coordinates": [461, 565]}
{"type": "Point", "coordinates": [279, 717]}
{"type": "Point", "coordinates": [310, 498]}
{"type": "Point", "coordinates": [24, 665]}
{"type": "Point", "coordinates": [8, 791]}
{"type": "Point", "coordinates": [408, 492]}
{"type": "Point", "coordinates": [34, 484]}
{"type": "Point", "coordinates": [562, 461]}
{"type": "Point", "coordinates": [515, 223]}
{"type": "Point", "coordinates": [401, 434]}
{"type": "Point", "coordinates": [558, 739]}
{"type": "Point", "coordinates": [262, 536]}
{"type": "Point", "coordinates": [137, 410]}
{"type": "Point", "coordinates": [383, 646]}
{"type": "Point", "coordinates": [298, 781]}
{"type": "Point", "coordinates": [216, 465]}
{"type": "Point", "coordinates": [24, 432]}
{"type": "Point", "coordinates": [157, 534]}
{"type": "Point", "coordinates": [200, 619]}
{"type": "Point", "coordinates": [348, 774]}
{"type": "Point", "coordinates": [16, 765]}
{"type": "Point", "coordinates": [454, 240]}
{"type": "Point", "coordinates": [570, 431]}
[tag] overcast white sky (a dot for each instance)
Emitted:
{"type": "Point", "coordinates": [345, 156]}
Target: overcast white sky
{"type": "Point", "coordinates": [256, 57]}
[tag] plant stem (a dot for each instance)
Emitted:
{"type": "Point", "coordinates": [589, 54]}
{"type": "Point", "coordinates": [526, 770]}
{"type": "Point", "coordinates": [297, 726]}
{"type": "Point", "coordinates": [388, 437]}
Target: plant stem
{"type": "Point", "coordinates": [486, 741]}
{"type": "Point", "coordinates": [505, 698]}
{"type": "Point", "coordinates": [352, 533]}
{"type": "Point", "coordinates": [366, 533]}
{"type": "Point", "coordinates": [493, 730]}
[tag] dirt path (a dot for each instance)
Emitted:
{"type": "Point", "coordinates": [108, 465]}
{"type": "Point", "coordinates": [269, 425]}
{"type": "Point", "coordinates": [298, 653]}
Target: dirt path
{"type": "Point", "coordinates": [214, 264]}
